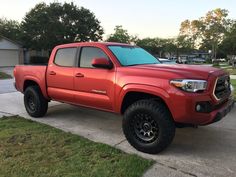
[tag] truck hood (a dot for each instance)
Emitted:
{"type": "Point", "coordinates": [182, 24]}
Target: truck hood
{"type": "Point", "coordinates": [187, 71]}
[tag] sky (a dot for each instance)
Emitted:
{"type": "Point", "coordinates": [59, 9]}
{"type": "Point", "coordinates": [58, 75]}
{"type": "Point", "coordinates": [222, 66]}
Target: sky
{"type": "Point", "coordinates": [144, 18]}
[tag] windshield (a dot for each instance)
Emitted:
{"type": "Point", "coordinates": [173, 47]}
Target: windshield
{"type": "Point", "coordinates": [130, 55]}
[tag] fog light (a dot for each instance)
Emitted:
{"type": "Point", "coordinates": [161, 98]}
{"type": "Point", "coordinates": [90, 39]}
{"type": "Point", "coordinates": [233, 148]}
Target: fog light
{"type": "Point", "coordinates": [198, 108]}
{"type": "Point", "coordinates": [203, 106]}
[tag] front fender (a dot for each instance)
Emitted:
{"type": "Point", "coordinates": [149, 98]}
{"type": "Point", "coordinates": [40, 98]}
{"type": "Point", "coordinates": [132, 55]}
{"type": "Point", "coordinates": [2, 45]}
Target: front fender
{"type": "Point", "coordinates": [149, 89]}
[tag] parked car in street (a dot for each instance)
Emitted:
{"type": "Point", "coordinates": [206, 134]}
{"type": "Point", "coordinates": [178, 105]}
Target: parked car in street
{"type": "Point", "coordinates": [198, 60]}
{"type": "Point", "coordinates": [218, 60]}
{"type": "Point", "coordinates": [153, 98]}
{"type": "Point", "coordinates": [167, 61]}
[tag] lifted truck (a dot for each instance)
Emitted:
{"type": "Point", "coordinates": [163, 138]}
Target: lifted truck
{"type": "Point", "coordinates": [154, 98]}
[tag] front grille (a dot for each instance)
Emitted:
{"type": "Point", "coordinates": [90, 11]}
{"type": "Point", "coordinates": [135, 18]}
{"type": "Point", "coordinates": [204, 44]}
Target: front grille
{"type": "Point", "coordinates": [222, 88]}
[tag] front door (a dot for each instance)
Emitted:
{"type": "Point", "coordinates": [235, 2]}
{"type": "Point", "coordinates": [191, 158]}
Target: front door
{"type": "Point", "coordinates": [94, 87]}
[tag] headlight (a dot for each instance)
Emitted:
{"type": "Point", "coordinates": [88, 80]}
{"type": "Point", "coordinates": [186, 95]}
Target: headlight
{"type": "Point", "coordinates": [190, 85]}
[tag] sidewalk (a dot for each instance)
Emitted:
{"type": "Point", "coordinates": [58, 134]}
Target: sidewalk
{"type": "Point", "coordinates": [232, 76]}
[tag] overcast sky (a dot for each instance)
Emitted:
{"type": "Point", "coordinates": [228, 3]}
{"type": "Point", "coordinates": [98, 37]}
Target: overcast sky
{"type": "Point", "coordinates": [145, 18]}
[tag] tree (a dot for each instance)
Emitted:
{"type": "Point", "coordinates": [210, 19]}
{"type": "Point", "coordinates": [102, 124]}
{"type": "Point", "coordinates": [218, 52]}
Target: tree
{"type": "Point", "coordinates": [150, 44]}
{"type": "Point", "coordinates": [229, 43]}
{"type": "Point", "coordinates": [10, 29]}
{"type": "Point", "coordinates": [207, 32]}
{"type": "Point", "coordinates": [158, 46]}
{"type": "Point", "coordinates": [46, 26]}
{"type": "Point", "coordinates": [121, 35]}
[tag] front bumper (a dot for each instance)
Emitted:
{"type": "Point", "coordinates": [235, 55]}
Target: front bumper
{"type": "Point", "coordinates": [183, 108]}
{"type": "Point", "coordinates": [223, 111]}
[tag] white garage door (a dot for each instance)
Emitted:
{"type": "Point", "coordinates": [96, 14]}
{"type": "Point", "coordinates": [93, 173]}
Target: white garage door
{"type": "Point", "coordinates": [9, 57]}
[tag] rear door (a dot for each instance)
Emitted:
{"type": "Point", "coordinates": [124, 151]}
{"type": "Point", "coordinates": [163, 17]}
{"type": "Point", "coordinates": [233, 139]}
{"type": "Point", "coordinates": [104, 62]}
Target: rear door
{"type": "Point", "coordinates": [60, 75]}
{"type": "Point", "coordinates": [94, 87]}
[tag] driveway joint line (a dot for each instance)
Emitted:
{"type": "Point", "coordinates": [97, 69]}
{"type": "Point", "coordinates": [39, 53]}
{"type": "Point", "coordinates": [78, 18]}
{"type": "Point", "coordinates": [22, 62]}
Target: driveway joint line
{"type": "Point", "coordinates": [120, 142]}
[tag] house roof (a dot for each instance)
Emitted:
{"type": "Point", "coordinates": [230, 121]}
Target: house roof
{"type": "Point", "coordinates": [14, 42]}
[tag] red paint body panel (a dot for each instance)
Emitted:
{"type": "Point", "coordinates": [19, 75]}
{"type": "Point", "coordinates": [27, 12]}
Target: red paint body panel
{"type": "Point", "coordinates": [105, 89]}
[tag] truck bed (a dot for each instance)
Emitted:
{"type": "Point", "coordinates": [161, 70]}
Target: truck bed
{"type": "Point", "coordinates": [36, 73]}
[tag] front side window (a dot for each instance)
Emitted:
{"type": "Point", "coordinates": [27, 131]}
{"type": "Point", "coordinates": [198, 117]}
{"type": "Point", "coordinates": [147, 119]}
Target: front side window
{"type": "Point", "coordinates": [131, 55]}
{"type": "Point", "coordinates": [88, 54]}
{"type": "Point", "coordinates": [65, 57]}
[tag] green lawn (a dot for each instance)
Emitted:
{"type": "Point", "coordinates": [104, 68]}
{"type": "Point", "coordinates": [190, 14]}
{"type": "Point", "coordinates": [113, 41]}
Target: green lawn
{"type": "Point", "coordinates": [4, 76]}
{"type": "Point", "coordinates": [226, 67]}
{"type": "Point", "coordinates": [231, 71]}
{"type": "Point", "coordinates": [233, 82]}
{"type": "Point", "coordinates": [29, 149]}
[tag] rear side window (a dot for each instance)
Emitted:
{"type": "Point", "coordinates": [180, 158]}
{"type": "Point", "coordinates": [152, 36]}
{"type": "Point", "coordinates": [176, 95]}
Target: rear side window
{"type": "Point", "coordinates": [88, 54]}
{"type": "Point", "coordinates": [66, 57]}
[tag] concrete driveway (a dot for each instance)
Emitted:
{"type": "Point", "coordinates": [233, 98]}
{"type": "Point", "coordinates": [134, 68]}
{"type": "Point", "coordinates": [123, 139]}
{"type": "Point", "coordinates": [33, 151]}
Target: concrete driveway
{"type": "Point", "coordinates": [8, 70]}
{"type": "Point", "coordinates": [206, 151]}
{"type": "Point", "coordinates": [6, 85]}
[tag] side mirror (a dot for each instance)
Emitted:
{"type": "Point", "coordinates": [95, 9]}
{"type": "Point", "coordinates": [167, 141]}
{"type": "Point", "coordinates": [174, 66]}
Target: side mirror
{"type": "Point", "coordinates": [101, 63]}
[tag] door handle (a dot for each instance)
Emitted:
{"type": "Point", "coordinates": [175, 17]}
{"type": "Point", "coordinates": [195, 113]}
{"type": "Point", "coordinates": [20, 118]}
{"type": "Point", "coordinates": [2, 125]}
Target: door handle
{"type": "Point", "coordinates": [52, 73]}
{"type": "Point", "coordinates": [79, 75]}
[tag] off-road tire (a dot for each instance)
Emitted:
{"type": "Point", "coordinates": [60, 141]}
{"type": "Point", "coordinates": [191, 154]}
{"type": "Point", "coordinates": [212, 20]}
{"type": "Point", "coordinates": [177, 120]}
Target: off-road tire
{"type": "Point", "coordinates": [35, 103]}
{"type": "Point", "coordinates": [161, 124]}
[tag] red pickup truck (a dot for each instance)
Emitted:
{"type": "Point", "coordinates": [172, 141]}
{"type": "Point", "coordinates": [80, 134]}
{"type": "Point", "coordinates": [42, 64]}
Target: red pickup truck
{"type": "Point", "coordinates": [153, 98]}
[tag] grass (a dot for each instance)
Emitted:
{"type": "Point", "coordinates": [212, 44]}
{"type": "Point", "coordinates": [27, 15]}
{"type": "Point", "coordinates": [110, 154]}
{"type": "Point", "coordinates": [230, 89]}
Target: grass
{"type": "Point", "coordinates": [233, 82]}
{"type": "Point", "coordinates": [226, 67]}
{"type": "Point", "coordinates": [231, 71]}
{"type": "Point", "coordinates": [4, 76]}
{"type": "Point", "coordinates": [29, 149]}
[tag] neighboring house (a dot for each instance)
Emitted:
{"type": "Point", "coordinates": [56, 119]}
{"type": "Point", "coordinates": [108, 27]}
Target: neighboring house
{"type": "Point", "coordinates": [11, 53]}
{"type": "Point", "coordinates": [196, 56]}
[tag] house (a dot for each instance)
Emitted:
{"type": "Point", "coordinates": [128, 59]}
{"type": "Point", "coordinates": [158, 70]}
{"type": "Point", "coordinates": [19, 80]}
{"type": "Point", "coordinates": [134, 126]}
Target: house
{"type": "Point", "coordinates": [11, 53]}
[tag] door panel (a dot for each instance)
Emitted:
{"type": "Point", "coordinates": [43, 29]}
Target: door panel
{"type": "Point", "coordinates": [60, 75]}
{"type": "Point", "coordinates": [96, 88]}
{"type": "Point", "coordinates": [60, 84]}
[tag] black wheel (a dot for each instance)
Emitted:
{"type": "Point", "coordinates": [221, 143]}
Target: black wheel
{"type": "Point", "coordinates": [148, 126]}
{"type": "Point", "coordinates": [35, 104]}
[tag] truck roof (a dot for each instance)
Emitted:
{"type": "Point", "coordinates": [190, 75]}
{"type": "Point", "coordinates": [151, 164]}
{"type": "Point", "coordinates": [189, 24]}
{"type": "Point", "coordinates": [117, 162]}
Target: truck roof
{"type": "Point", "coordinates": [92, 44]}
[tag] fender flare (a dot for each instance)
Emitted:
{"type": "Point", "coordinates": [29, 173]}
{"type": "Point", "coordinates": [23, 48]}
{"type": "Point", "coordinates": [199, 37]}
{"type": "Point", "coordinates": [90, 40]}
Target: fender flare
{"type": "Point", "coordinates": [41, 85]}
{"type": "Point", "coordinates": [149, 89]}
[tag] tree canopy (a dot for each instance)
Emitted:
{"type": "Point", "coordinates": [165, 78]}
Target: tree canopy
{"type": "Point", "coordinates": [10, 29]}
{"type": "Point", "coordinates": [45, 26]}
{"type": "Point", "coordinates": [228, 45]}
{"type": "Point", "coordinates": [207, 32]}
{"type": "Point", "coordinates": [121, 35]}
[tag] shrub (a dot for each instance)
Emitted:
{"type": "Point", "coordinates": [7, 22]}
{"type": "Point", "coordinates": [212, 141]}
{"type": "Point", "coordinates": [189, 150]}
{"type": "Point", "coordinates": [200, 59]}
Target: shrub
{"type": "Point", "coordinates": [38, 60]}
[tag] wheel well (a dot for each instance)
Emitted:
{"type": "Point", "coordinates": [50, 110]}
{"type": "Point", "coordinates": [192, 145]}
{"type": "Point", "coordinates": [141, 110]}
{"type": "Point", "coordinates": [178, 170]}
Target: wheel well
{"type": "Point", "coordinates": [28, 83]}
{"type": "Point", "coordinates": [132, 97]}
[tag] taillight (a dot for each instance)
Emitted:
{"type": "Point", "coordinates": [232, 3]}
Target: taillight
{"type": "Point", "coordinates": [14, 72]}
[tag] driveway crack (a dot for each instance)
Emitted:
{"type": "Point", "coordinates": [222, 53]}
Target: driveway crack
{"type": "Point", "coordinates": [176, 169]}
